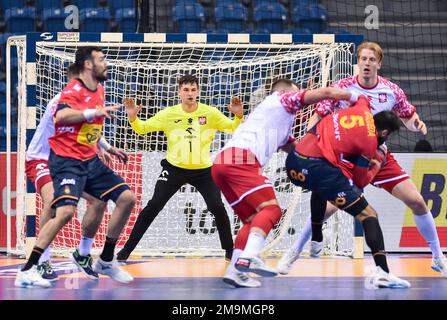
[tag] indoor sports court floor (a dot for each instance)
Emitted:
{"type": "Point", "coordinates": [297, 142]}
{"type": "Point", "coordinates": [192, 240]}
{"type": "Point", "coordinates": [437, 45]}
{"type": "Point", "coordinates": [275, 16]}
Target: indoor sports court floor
{"type": "Point", "coordinates": [327, 278]}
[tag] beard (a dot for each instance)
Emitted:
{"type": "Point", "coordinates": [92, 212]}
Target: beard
{"type": "Point", "coordinates": [381, 140]}
{"type": "Point", "coordinates": [100, 76]}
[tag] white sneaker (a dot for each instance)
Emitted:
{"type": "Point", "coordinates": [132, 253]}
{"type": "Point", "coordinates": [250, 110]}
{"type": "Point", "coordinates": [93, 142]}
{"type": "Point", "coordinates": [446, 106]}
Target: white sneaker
{"type": "Point", "coordinates": [440, 265]}
{"type": "Point", "coordinates": [113, 270]}
{"type": "Point", "coordinates": [388, 280]}
{"type": "Point", "coordinates": [255, 265]}
{"type": "Point", "coordinates": [316, 248]}
{"type": "Point", "coordinates": [287, 260]}
{"type": "Point", "coordinates": [240, 279]}
{"type": "Point", "coordinates": [31, 279]}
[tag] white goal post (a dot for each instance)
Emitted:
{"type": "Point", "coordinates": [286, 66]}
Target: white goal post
{"type": "Point", "coordinates": [146, 67]}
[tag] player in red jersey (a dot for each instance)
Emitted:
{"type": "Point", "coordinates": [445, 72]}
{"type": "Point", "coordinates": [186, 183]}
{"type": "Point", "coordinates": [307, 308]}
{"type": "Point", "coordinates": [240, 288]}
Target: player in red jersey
{"type": "Point", "coordinates": [37, 154]}
{"type": "Point", "coordinates": [383, 95]}
{"type": "Point", "coordinates": [336, 157]}
{"type": "Point", "coordinates": [237, 171]}
{"type": "Point", "coordinates": [75, 167]}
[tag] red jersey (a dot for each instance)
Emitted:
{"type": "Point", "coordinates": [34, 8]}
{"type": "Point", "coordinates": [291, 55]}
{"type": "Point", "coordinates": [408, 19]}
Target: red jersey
{"type": "Point", "coordinates": [343, 136]}
{"type": "Point", "coordinates": [79, 140]}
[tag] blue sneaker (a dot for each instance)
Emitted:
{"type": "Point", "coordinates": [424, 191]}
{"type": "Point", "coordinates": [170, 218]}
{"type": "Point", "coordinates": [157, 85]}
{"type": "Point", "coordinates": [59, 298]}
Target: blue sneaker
{"type": "Point", "coordinates": [84, 264]}
{"type": "Point", "coordinates": [46, 271]}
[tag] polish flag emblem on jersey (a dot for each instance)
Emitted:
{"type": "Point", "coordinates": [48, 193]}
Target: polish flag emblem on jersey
{"type": "Point", "coordinates": [383, 97]}
{"type": "Point", "coordinates": [202, 120]}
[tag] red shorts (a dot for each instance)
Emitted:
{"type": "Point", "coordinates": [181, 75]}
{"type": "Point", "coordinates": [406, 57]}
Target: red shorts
{"type": "Point", "coordinates": [390, 174]}
{"type": "Point", "coordinates": [37, 171]}
{"type": "Point", "coordinates": [238, 175]}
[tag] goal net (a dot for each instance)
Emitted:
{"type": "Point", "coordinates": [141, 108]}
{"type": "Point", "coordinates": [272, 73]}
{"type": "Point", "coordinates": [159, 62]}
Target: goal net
{"type": "Point", "coordinates": [148, 72]}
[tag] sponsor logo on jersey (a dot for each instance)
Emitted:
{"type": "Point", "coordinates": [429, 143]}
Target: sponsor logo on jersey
{"type": "Point", "coordinates": [202, 120]}
{"type": "Point", "coordinates": [383, 97]}
{"type": "Point", "coordinates": [77, 87]}
{"type": "Point", "coordinates": [68, 181]}
{"type": "Point", "coordinates": [66, 129]}
{"type": "Point", "coordinates": [336, 127]}
{"type": "Point", "coordinates": [177, 121]}
{"type": "Point", "coordinates": [89, 134]}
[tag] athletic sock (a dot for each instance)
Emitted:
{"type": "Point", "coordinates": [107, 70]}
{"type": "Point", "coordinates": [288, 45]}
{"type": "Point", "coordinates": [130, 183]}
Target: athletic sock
{"type": "Point", "coordinates": [109, 248]}
{"type": "Point", "coordinates": [427, 228]}
{"type": "Point", "coordinates": [33, 258]}
{"type": "Point", "coordinates": [45, 256]}
{"type": "Point", "coordinates": [254, 245]}
{"type": "Point", "coordinates": [374, 240]}
{"type": "Point", "coordinates": [304, 236]}
{"type": "Point", "coordinates": [85, 246]}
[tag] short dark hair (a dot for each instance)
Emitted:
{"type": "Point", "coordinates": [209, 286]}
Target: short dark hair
{"type": "Point", "coordinates": [423, 146]}
{"type": "Point", "coordinates": [283, 82]}
{"type": "Point", "coordinates": [188, 78]}
{"type": "Point", "coordinates": [387, 120]}
{"type": "Point", "coordinates": [72, 70]}
{"type": "Point", "coordinates": [84, 54]}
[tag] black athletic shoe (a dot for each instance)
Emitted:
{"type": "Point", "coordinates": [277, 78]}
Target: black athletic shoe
{"type": "Point", "coordinates": [46, 271]}
{"type": "Point", "coordinates": [84, 264]}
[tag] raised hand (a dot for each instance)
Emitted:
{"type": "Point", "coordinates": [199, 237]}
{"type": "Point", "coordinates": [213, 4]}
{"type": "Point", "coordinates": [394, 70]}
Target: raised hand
{"type": "Point", "coordinates": [107, 112]}
{"type": "Point", "coordinates": [121, 155]}
{"type": "Point", "coordinates": [104, 157]}
{"type": "Point", "coordinates": [420, 126]}
{"type": "Point", "coordinates": [132, 109]}
{"type": "Point", "coordinates": [236, 107]}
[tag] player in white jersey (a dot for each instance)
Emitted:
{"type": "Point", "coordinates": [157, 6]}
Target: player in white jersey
{"type": "Point", "coordinates": [237, 171]}
{"type": "Point", "coordinates": [383, 95]}
{"type": "Point", "coordinates": [38, 173]}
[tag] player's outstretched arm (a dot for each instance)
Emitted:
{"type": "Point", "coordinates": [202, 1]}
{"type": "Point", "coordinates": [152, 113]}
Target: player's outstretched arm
{"type": "Point", "coordinates": [415, 124]}
{"type": "Point", "coordinates": [132, 109]}
{"type": "Point", "coordinates": [313, 120]}
{"type": "Point", "coordinates": [317, 95]}
{"type": "Point", "coordinates": [68, 115]}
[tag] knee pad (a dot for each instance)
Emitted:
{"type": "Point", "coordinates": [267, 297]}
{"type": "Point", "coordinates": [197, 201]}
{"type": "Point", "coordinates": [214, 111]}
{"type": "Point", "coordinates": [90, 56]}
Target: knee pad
{"type": "Point", "coordinates": [267, 218]}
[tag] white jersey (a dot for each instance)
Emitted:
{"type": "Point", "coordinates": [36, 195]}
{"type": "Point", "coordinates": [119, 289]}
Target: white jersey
{"type": "Point", "coordinates": [269, 126]}
{"type": "Point", "coordinates": [39, 148]}
{"type": "Point", "coordinates": [384, 96]}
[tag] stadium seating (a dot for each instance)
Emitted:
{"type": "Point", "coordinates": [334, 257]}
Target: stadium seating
{"type": "Point", "coordinates": [188, 17]}
{"type": "Point", "coordinates": [3, 38]}
{"type": "Point", "coordinates": [270, 17]}
{"type": "Point", "coordinates": [2, 92]}
{"type": "Point", "coordinates": [230, 16]}
{"type": "Point", "coordinates": [86, 3]}
{"type": "Point", "coordinates": [9, 4]}
{"type": "Point", "coordinates": [114, 5]}
{"type": "Point", "coordinates": [126, 20]}
{"type": "Point", "coordinates": [298, 30]}
{"type": "Point", "coordinates": [54, 19]}
{"type": "Point", "coordinates": [94, 19]}
{"type": "Point", "coordinates": [312, 17]}
{"type": "Point", "coordinates": [337, 31]}
{"type": "Point", "coordinates": [41, 5]}
{"type": "Point", "coordinates": [20, 20]}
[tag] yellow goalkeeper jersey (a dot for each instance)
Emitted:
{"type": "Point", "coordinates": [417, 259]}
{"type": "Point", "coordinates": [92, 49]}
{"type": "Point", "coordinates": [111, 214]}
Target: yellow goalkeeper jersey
{"type": "Point", "coordinates": [189, 134]}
